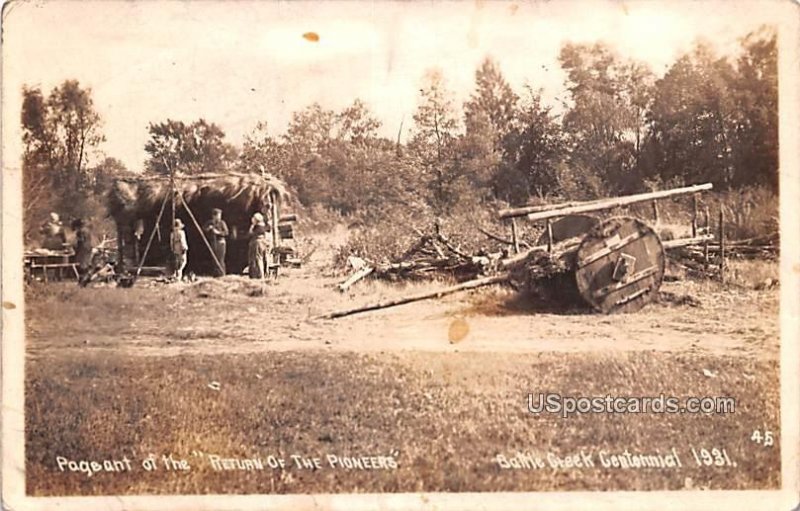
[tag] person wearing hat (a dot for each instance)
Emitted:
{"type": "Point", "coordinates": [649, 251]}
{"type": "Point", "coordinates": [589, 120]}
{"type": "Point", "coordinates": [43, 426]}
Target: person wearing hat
{"type": "Point", "coordinates": [83, 251]}
{"type": "Point", "coordinates": [217, 231]}
{"type": "Point", "coordinates": [54, 237]}
{"type": "Point", "coordinates": [180, 248]}
{"type": "Point", "coordinates": [258, 249]}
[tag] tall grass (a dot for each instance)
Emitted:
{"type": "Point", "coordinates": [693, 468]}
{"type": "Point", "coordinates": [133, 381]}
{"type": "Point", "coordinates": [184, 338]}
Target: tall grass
{"type": "Point", "coordinates": [443, 416]}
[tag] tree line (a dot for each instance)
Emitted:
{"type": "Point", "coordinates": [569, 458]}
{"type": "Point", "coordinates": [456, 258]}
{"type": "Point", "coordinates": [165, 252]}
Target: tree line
{"type": "Point", "coordinates": [617, 128]}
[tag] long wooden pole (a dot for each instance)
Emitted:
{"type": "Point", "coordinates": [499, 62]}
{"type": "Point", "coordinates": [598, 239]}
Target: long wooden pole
{"type": "Point", "coordinates": [705, 245]}
{"type": "Point", "coordinates": [360, 274]}
{"type": "Point", "coordinates": [683, 242]}
{"type": "Point", "coordinates": [721, 244]}
{"type": "Point", "coordinates": [535, 213]}
{"type": "Point", "coordinates": [202, 234]}
{"type": "Point", "coordinates": [471, 284]}
{"type": "Point", "coordinates": [152, 235]}
{"type": "Point", "coordinates": [275, 220]}
{"type": "Point", "coordinates": [514, 235]}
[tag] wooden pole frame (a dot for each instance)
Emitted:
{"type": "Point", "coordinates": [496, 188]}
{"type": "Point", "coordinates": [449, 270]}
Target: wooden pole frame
{"type": "Point", "coordinates": [275, 220]}
{"type": "Point", "coordinates": [514, 235]}
{"type": "Point", "coordinates": [537, 213]}
{"type": "Point", "coordinates": [174, 193]}
{"type": "Point", "coordinates": [152, 235]}
{"type": "Point", "coordinates": [708, 231]}
{"type": "Point", "coordinates": [721, 243]}
{"type": "Point", "coordinates": [202, 234]}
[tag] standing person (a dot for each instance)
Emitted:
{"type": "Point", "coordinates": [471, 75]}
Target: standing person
{"type": "Point", "coordinates": [180, 248]}
{"type": "Point", "coordinates": [83, 251]}
{"type": "Point", "coordinates": [217, 230]}
{"type": "Point", "coordinates": [258, 249]}
{"type": "Point", "coordinates": [53, 231]}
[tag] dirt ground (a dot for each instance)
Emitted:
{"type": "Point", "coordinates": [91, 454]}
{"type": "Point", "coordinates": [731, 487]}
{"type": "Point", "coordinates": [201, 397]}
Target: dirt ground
{"type": "Point", "coordinates": [237, 315]}
{"type": "Point", "coordinates": [237, 367]}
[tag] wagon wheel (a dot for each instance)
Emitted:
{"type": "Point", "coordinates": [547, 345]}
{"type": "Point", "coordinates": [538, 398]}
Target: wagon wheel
{"type": "Point", "coordinates": [569, 226]}
{"type": "Point", "coordinates": [620, 265]}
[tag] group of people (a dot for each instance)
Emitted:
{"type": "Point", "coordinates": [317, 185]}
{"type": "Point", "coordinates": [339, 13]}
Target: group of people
{"type": "Point", "coordinates": [54, 237]}
{"type": "Point", "coordinates": [217, 232]}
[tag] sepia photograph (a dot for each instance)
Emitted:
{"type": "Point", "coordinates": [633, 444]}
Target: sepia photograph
{"type": "Point", "coordinates": [428, 255]}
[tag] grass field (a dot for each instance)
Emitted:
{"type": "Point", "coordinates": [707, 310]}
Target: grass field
{"type": "Point", "coordinates": [444, 417]}
{"type": "Point", "coordinates": [236, 369]}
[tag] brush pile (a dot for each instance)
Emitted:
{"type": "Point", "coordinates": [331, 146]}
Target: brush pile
{"type": "Point", "coordinates": [433, 254]}
{"type": "Point", "coordinates": [703, 260]}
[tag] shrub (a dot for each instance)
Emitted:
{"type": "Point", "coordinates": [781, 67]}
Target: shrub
{"type": "Point", "coordinates": [751, 212]}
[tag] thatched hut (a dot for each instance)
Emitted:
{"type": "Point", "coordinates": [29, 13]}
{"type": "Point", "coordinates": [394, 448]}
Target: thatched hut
{"type": "Point", "coordinates": [134, 204]}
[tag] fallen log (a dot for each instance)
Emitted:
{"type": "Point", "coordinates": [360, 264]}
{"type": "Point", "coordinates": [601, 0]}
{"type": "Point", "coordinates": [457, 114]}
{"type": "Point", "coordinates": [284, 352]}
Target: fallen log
{"type": "Point", "coordinates": [471, 284]}
{"type": "Point", "coordinates": [360, 274]}
{"type": "Point", "coordinates": [737, 247]}
{"type": "Point", "coordinates": [684, 242]}
{"type": "Point", "coordinates": [417, 264]}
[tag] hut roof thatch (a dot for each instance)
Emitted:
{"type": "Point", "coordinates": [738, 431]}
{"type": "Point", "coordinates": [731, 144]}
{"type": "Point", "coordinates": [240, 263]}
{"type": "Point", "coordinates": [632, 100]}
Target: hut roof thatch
{"type": "Point", "coordinates": [131, 198]}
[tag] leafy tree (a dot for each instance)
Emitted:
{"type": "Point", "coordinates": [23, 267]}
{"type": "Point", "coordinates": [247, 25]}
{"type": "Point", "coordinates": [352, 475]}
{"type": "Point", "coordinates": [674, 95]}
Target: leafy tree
{"type": "Point", "coordinates": [534, 153]}
{"type": "Point", "coordinates": [37, 133]}
{"type": "Point", "coordinates": [493, 104]}
{"type": "Point", "coordinates": [607, 117]}
{"type": "Point", "coordinates": [329, 158]}
{"type": "Point", "coordinates": [433, 143]}
{"type": "Point", "coordinates": [756, 110]}
{"type": "Point", "coordinates": [59, 132]}
{"type": "Point", "coordinates": [194, 148]}
{"type": "Point", "coordinates": [435, 120]}
{"type": "Point", "coordinates": [490, 116]}
{"type": "Point", "coordinates": [479, 155]}
{"type": "Point", "coordinates": [104, 173]}
{"type": "Point", "coordinates": [262, 153]}
{"type": "Point", "coordinates": [311, 130]}
{"type": "Point", "coordinates": [693, 120]}
{"type": "Point", "coordinates": [311, 159]}
{"type": "Point", "coordinates": [357, 125]}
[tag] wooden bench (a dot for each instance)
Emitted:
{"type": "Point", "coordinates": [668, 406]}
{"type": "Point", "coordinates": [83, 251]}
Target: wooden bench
{"type": "Point", "coordinates": [47, 266]}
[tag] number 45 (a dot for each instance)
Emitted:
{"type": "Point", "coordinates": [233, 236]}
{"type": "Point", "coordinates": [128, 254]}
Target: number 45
{"type": "Point", "coordinates": [765, 439]}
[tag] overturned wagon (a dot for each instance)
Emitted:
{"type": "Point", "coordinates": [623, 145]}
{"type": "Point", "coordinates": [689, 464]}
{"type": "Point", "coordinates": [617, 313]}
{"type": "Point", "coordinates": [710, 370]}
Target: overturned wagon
{"type": "Point", "coordinates": [617, 264]}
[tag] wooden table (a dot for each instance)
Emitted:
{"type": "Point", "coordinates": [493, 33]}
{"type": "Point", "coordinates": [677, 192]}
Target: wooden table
{"type": "Point", "coordinates": [56, 260]}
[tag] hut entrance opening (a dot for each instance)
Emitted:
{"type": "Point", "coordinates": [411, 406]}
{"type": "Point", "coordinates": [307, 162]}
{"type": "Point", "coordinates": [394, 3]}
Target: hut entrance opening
{"type": "Point", "coordinates": [135, 203]}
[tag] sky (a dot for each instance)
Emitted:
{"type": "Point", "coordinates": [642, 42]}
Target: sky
{"type": "Point", "coordinates": [238, 63]}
